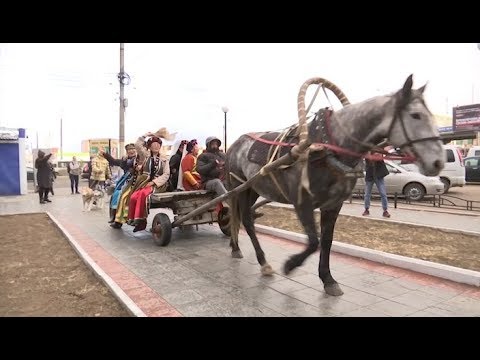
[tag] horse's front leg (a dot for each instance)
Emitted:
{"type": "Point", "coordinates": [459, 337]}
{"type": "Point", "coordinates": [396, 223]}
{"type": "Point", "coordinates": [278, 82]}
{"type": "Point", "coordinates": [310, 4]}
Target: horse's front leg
{"type": "Point", "coordinates": [246, 201]}
{"type": "Point", "coordinates": [305, 215]}
{"type": "Point", "coordinates": [327, 222]}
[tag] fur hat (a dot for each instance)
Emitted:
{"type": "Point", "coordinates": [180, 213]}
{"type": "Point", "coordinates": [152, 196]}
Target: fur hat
{"type": "Point", "coordinates": [164, 134]}
{"type": "Point", "coordinates": [151, 140]}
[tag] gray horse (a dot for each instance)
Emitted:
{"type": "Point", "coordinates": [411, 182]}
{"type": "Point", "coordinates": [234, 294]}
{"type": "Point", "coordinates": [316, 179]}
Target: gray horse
{"type": "Point", "coordinates": [325, 178]}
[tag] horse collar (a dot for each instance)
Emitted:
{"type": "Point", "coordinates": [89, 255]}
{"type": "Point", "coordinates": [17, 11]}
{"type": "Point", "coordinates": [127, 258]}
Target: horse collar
{"type": "Point", "coordinates": [322, 128]}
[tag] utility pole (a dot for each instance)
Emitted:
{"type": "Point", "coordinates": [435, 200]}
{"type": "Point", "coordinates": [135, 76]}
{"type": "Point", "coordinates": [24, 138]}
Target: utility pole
{"type": "Point", "coordinates": [35, 182]}
{"type": "Point", "coordinates": [122, 102]}
{"type": "Point", "coordinates": [225, 110]}
{"type": "Point", "coordinates": [61, 139]}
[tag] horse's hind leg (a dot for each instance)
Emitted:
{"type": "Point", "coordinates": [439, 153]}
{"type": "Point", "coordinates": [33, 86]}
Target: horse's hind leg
{"type": "Point", "coordinates": [246, 200]}
{"type": "Point", "coordinates": [328, 220]}
{"type": "Point", "coordinates": [305, 215]}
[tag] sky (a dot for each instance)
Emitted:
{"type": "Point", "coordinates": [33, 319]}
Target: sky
{"type": "Point", "coordinates": [183, 87]}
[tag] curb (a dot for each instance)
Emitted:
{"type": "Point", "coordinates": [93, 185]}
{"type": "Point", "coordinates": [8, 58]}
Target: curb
{"type": "Point", "coordinates": [448, 272]}
{"type": "Point", "coordinates": [107, 280]}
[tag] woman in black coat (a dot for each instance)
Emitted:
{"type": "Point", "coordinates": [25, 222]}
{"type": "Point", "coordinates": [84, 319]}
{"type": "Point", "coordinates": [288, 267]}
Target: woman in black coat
{"type": "Point", "coordinates": [44, 179]}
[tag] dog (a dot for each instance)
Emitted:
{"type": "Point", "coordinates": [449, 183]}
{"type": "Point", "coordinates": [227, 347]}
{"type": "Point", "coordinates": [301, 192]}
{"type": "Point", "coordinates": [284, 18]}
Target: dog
{"type": "Point", "coordinates": [92, 197]}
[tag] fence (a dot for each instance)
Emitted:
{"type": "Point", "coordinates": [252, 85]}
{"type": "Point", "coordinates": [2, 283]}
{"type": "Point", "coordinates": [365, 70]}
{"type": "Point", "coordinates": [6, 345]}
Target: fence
{"type": "Point", "coordinates": [439, 201]}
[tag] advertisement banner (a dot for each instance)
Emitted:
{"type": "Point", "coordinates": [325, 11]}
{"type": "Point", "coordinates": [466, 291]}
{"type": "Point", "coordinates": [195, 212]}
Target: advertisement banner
{"type": "Point", "coordinates": [466, 118]}
{"type": "Point", "coordinates": [110, 146]}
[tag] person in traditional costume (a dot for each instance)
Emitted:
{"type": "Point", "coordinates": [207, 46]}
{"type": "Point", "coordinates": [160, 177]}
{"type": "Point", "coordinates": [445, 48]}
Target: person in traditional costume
{"type": "Point", "coordinates": [191, 178]}
{"type": "Point", "coordinates": [174, 162]}
{"type": "Point", "coordinates": [155, 172]}
{"type": "Point", "coordinates": [126, 163]}
{"type": "Point", "coordinates": [121, 214]}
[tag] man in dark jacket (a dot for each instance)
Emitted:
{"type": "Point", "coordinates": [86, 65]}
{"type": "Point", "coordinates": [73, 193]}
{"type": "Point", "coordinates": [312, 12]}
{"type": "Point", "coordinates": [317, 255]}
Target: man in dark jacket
{"type": "Point", "coordinates": [211, 166]}
{"type": "Point", "coordinates": [375, 172]}
{"type": "Point", "coordinates": [44, 178]}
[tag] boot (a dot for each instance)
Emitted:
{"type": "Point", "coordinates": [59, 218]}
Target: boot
{"type": "Point", "coordinates": [116, 225]}
{"type": "Point", "coordinates": [113, 213]}
{"type": "Point", "coordinates": [141, 225]}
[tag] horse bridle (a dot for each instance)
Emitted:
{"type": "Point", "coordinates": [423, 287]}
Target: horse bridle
{"type": "Point", "coordinates": [398, 110]}
{"type": "Point", "coordinates": [399, 107]}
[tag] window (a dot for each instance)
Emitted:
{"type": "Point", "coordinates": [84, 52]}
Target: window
{"type": "Point", "coordinates": [450, 155]}
{"type": "Point", "coordinates": [472, 163]}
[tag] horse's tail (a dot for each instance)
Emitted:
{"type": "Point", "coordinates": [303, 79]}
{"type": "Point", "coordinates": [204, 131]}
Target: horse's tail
{"type": "Point", "coordinates": [235, 219]}
{"type": "Point", "coordinates": [302, 113]}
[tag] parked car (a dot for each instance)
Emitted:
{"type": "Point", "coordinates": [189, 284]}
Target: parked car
{"type": "Point", "coordinates": [406, 183]}
{"type": "Point", "coordinates": [473, 151]}
{"type": "Point", "coordinates": [472, 169]}
{"type": "Point", "coordinates": [453, 174]}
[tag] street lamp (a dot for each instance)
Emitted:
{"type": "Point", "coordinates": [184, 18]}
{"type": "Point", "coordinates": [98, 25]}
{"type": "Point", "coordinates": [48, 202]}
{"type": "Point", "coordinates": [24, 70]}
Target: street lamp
{"type": "Point", "coordinates": [225, 110]}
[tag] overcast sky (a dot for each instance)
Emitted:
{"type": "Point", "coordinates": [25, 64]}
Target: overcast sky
{"type": "Point", "coordinates": [184, 86]}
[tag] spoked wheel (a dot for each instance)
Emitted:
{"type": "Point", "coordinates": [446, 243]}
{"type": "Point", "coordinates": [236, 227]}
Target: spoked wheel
{"type": "Point", "coordinates": [224, 221]}
{"type": "Point", "coordinates": [161, 229]}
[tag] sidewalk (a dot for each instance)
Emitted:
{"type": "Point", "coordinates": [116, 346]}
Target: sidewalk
{"type": "Point", "coordinates": [195, 275]}
{"type": "Point", "coordinates": [457, 220]}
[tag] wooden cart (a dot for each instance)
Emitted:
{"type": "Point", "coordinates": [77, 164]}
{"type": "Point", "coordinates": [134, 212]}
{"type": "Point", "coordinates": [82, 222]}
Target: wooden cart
{"type": "Point", "coordinates": [185, 206]}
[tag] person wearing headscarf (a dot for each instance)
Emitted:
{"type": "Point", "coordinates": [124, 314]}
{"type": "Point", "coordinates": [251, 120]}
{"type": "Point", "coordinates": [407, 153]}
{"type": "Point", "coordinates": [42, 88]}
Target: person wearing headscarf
{"type": "Point", "coordinates": [126, 163]}
{"type": "Point", "coordinates": [175, 160]}
{"type": "Point", "coordinates": [191, 178]}
{"type": "Point", "coordinates": [44, 178]}
{"type": "Point", "coordinates": [154, 174]}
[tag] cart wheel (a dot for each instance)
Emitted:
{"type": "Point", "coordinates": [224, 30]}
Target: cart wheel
{"type": "Point", "coordinates": [161, 229]}
{"type": "Point", "coordinates": [224, 221]}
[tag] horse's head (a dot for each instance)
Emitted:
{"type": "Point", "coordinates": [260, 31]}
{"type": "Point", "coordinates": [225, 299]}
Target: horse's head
{"type": "Point", "coordinates": [413, 129]}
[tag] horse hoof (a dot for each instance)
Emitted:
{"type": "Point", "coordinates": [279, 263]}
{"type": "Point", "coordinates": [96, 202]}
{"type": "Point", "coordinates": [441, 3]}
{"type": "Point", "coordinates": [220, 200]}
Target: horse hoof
{"type": "Point", "coordinates": [288, 267]}
{"type": "Point", "coordinates": [237, 254]}
{"type": "Point", "coordinates": [333, 289]}
{"type": "Point", "coordinates": [267, 270]}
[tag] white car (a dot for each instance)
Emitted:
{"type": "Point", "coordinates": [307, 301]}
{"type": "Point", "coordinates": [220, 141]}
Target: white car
{"type": "Point", "coordinates": [453, 174]}
{"type": "Point", "coordinates": [405, 183]}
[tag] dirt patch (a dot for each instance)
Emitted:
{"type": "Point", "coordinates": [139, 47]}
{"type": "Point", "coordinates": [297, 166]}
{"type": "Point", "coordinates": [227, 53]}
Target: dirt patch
{"type": "Point", "coordinates": [41, 274]}
{"type": "Point", "coordinates": [418, 242]}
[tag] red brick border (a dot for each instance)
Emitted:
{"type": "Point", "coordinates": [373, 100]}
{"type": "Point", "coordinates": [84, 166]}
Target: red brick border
{"type": "Point", "coordinates": [147, 299]}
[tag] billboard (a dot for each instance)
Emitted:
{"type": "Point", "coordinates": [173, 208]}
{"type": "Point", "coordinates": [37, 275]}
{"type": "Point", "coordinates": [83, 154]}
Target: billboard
{"type": "Point", "coordinates": [110, 146]}
{"type": "Point", "coordinates": [466, 118]}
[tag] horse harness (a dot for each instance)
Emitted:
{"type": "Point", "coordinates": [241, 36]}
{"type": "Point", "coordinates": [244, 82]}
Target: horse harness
{"type": "Point", "coordinates": [272, 145]}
